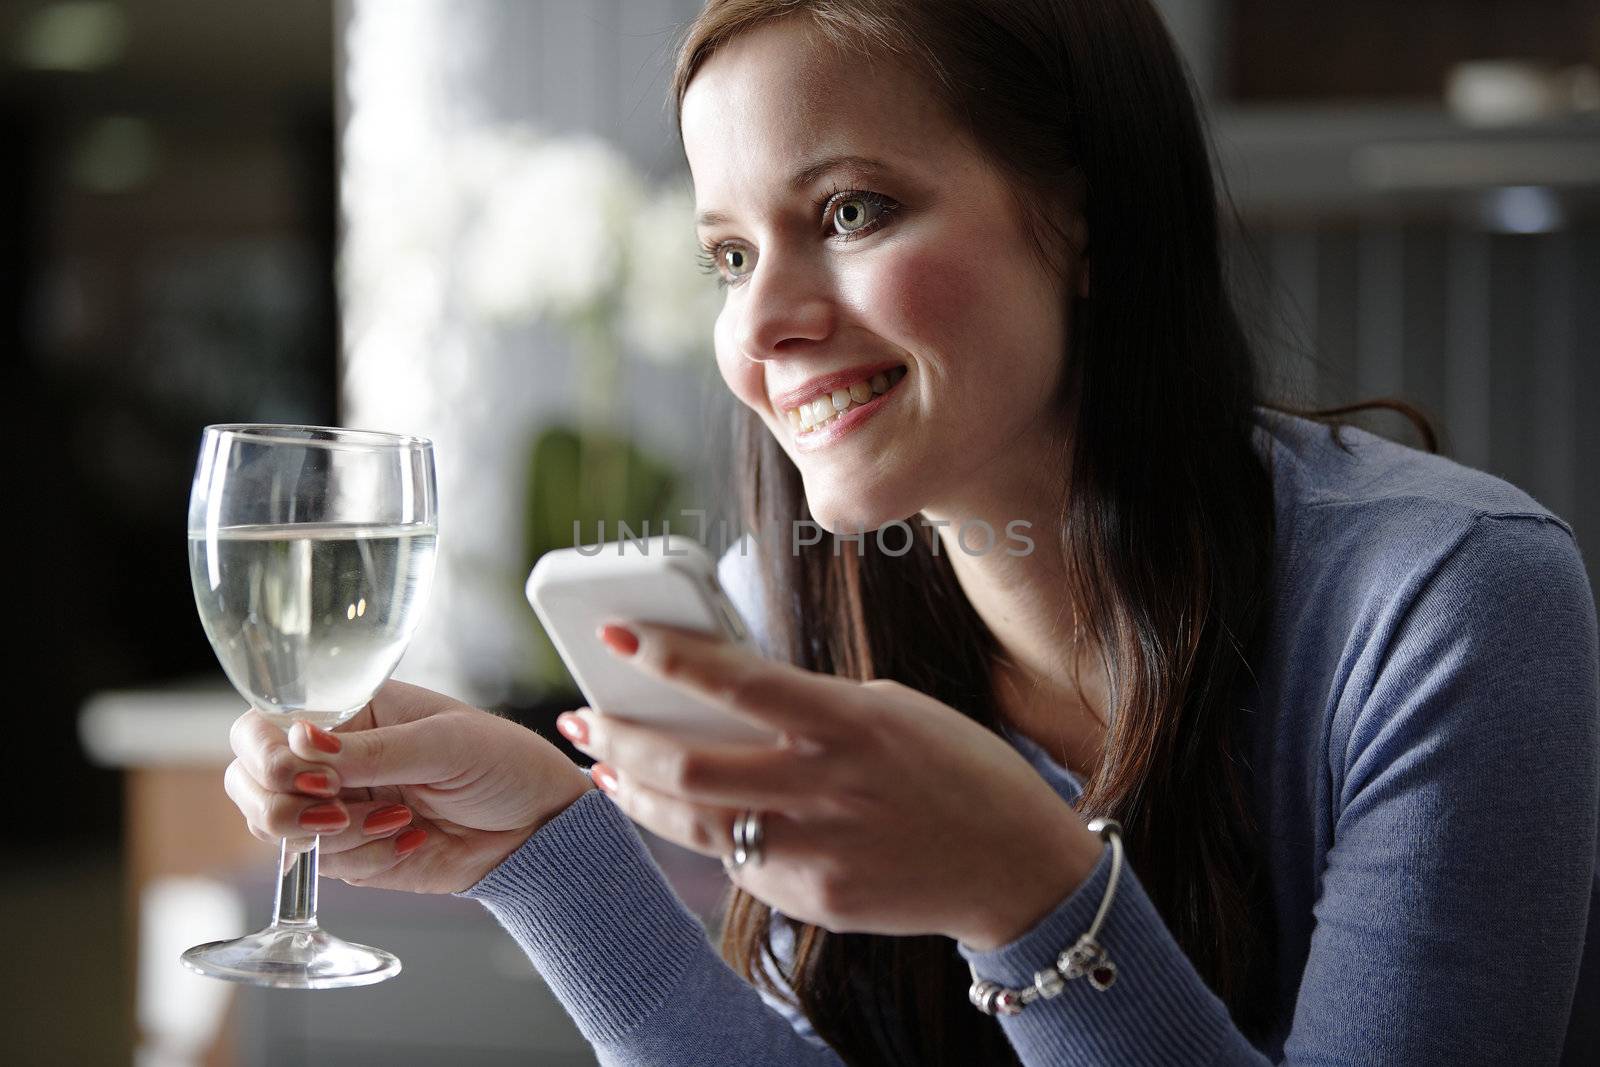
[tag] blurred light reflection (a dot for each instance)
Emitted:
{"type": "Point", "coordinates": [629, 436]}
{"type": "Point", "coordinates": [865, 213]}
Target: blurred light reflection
{"type": "Point", "coordinates": [73, 35]}
{"type": "Point", "coordinates": [1522, 209]}
{"type": "Point", "coordinates": [116, 154]}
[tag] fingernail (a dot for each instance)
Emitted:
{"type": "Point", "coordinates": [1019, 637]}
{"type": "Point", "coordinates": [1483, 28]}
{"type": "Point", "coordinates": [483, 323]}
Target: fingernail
{"type": "Point", "coordinates": [313, 782]}
{"type": "Point", "coordinates": [605, 777]}
{"type": "Point", "coordinates": [410, 841]}
{"type": "Point", "coordinates": [382, 820]}
{"type": "Point", "coordinates": [619, 639]}
{"type": "Point", "coordinates": [573, 728]}
{"type": "Point", "coordinates": [322, 738]}
{"type": "Point", "coordinates": [323, 817]}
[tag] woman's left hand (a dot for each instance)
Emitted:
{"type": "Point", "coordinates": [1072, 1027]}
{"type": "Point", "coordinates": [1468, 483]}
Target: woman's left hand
{"type": "Point", "coordinates": [884, 812]}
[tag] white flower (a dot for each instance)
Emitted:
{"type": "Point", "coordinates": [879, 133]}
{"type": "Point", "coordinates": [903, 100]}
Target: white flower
{"type": "Point", "coordinates": [550, 239]}
{"type": "Point", "coordinates": [668, 306]}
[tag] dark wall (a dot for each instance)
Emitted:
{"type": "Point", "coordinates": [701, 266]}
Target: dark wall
{"type": "Point", "coordinates": [1308, 49]}
{"type": "Point", "coordinates": [186, 281]}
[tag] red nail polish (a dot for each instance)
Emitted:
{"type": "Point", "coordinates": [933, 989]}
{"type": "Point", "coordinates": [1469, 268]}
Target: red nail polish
{"type": "Point", "coordinates": [382, 820]}
{"type": "Point", "coordinates": [409, 841]}
{"type": "Point", "coordinates": [323, 817]}
{"type": "Point", "coordinates": [313, 782]}
{"type": "Point", "coordinates": [620, 639]}
{"type": "Point", "coordinates": [573, 728]}
{"type": "Point", "coordinates": [322, 738]}
{"type": "Point", "coordinates": [605, 777]}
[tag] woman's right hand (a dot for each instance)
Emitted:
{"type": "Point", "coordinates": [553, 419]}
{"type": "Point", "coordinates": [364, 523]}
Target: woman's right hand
{"type": "Point", "coordinates": [477, 785]}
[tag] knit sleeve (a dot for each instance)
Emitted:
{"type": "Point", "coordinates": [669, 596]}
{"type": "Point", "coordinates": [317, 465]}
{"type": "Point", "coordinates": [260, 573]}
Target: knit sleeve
{"type": "Point", "coordinates": [626, 959]}
{"type": "Point", "coordinates": [1453, 903]}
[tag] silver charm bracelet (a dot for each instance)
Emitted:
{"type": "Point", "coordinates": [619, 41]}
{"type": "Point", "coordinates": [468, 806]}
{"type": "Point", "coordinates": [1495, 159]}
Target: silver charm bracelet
{"type": "Point", "coordinates": [1085, 957]}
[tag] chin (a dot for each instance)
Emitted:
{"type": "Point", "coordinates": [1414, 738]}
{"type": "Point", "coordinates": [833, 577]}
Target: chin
{"type": "Point", "coordinates": [850, 513]}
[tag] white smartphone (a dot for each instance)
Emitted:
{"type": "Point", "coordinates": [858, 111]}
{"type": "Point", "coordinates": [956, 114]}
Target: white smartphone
{"type": "Point", "coordinates": [668, 579]}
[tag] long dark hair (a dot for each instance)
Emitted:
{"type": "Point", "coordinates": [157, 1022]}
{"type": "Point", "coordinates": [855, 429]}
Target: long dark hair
{"type": "Point", "coordinates": [1167, 525]}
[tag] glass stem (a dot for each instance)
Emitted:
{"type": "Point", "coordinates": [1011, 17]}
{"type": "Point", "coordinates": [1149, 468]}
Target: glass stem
{"type": "Point", "coordinates": [296, 904]}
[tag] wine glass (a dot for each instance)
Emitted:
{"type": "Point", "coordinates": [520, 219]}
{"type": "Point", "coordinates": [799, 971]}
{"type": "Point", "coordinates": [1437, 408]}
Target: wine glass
{"type": "Point", "coordinates": [311, 553]}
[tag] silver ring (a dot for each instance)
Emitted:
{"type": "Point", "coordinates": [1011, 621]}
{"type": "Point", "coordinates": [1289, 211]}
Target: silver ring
{"type": "Point", "coordinates": [748, 836]}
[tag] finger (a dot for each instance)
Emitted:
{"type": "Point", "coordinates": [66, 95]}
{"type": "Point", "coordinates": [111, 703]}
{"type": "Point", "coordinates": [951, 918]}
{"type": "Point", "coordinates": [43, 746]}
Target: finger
{"type": "Point", "coordinates": [268, 759]}
{"type": "Point", "coordinates": [374, 858]}
{"type": "Point", "coordinates": [396, 702]}
{"type": "Point", "coordinates": [766, 692]}
{"type": "Point", "coordinates": [292, 815]}
{"type": "Point", "coordinates": [422, 752]}
{"type": "Point", "coordinates": [370, 821]}
{"type": "Point", "coordinates": [702, 828]}
{"type": "Point", "coordinates": [272, 815]}
{"type": "Point", "coordinates": [731, 775]}
{"type": "Point", "coordinates": [248, 796]}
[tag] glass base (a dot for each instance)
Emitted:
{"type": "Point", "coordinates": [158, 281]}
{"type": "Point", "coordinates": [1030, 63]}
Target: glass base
{"type": "Point", "coordinates": [293, 957]}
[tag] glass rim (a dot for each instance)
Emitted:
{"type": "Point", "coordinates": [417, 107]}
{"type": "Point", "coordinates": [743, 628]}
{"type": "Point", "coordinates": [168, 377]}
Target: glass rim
{"type": "Point", "coordinates": [341, 436]}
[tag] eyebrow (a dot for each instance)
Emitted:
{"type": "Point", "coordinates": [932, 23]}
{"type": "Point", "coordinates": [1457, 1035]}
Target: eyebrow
{"type": "Point", "coordinates": [805, 176]}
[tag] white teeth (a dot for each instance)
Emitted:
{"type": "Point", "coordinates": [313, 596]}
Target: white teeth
{"type": "Point", "coordinates": [815, 413]}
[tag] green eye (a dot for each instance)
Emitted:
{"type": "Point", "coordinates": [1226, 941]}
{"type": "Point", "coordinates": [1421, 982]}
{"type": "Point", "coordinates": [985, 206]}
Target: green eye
{"type": "Point", "coordinates": [852, 214]}
{"type": "Point", "coordinates": [855, 214]}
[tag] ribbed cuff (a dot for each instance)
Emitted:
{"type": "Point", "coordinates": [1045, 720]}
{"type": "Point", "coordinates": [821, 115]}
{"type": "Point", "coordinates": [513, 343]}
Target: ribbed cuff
{"type": "Point", "coordinates": [1157, 1012]}
{"type": "Point", "coordinates": [591, 908]}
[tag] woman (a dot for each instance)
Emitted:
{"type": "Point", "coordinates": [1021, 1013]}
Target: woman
{"type": "Point", "coordinates": [1340, 695]}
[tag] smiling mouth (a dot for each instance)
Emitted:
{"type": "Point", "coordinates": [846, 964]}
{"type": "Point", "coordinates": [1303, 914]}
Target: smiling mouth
{"type": "Point", "coordinates": [819, 412]}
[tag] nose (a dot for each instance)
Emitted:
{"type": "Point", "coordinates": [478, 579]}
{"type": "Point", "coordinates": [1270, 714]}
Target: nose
{"type": "Point", "coordinates": [786, 300]}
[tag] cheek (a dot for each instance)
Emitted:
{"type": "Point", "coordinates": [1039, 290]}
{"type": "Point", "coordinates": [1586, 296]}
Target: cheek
{"type": "Point", "coordinates": [968, 317]}
{"type": "Point", "coordinates": [936, 298]}
{"type": "Point", "coordinates": [926, 294]}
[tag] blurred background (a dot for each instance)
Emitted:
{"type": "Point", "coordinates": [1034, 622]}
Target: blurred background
{"type": "Point", "coordinates": [471, 220]}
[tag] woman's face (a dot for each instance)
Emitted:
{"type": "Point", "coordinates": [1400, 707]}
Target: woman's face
{"type": "Point", "coordinates": [915, 265]}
